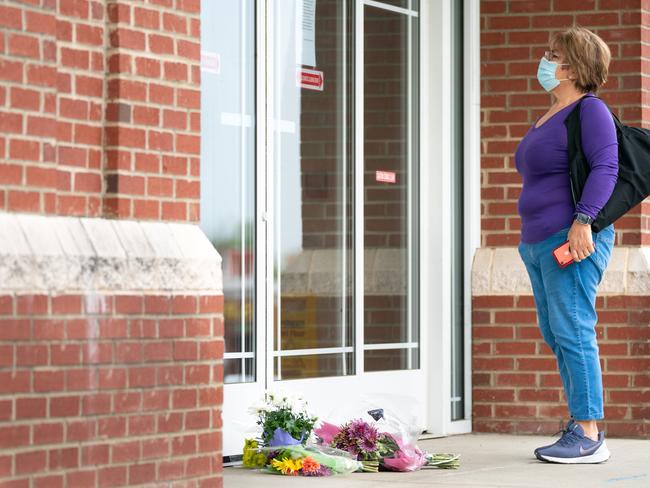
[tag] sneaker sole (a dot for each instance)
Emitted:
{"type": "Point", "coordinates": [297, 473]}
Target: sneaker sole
{"type": "Point", "coordinates": [602, 454]}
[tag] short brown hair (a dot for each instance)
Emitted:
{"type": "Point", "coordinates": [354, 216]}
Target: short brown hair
{"type": "Point", "coordinates": [586, 53]}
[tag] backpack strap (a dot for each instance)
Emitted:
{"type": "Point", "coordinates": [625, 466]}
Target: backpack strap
{"type": "Point", "coordinates": [578, 165]}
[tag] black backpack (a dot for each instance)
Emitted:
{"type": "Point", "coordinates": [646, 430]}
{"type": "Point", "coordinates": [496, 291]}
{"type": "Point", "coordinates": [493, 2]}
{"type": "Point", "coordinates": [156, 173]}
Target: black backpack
{"type": "Point", "coordinates": [633, 183]}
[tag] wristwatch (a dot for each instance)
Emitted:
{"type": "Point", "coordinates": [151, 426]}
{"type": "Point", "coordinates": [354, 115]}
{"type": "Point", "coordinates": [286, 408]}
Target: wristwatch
{"type": "Point", "coordinates": [583, 218]}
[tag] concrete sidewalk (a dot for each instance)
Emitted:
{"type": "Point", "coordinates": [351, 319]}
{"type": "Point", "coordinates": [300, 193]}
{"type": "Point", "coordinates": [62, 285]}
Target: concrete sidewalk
{"type": "Point", "coordinates": [487, 460]}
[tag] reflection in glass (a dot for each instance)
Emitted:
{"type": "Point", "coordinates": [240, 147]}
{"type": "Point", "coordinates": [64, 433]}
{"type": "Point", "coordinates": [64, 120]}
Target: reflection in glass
{"type": "Point", "coordinates": [227, 169]}
{"type": "Point", "coordinates": [312, 182]}
{"type": "Point", "coordinates": [390, 183]}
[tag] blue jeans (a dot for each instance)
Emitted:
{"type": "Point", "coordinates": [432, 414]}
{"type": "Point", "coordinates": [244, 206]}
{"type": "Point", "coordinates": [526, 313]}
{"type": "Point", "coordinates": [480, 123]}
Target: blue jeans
{"type": "Point", "coordinates": [565, 299]}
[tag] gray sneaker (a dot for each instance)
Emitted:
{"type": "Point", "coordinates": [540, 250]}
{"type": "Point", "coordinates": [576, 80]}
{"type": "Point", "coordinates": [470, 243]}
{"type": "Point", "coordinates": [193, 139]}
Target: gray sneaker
{"type": "Point", "coordinates": [564, 431]}
{"type": "Point", "coordinates": [575, 447]}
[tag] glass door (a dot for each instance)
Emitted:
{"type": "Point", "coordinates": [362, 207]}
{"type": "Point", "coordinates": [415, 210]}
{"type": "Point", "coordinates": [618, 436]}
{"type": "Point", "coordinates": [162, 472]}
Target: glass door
{"type": "Point", "coordinates": [390, 136]}
{"type": "Point", "coordinates": [309, 176]}
{"type": "Point", "coordinates": [342, 182]}
{"type": "Point", "coordinates": [311, 180]}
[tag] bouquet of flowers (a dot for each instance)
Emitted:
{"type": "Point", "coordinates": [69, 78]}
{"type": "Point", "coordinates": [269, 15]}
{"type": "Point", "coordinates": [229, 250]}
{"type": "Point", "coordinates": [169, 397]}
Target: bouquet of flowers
{"type": "Point", "coordinates": [395, 450]}
{"type": "Point", "coordinates": [283, 446]}
{"type": "Point", "coordinates": [299, 460]}
{"type": "Point", "coordinates": [284, 412]}
{"type": "Point", "coordinates": [363, 441]}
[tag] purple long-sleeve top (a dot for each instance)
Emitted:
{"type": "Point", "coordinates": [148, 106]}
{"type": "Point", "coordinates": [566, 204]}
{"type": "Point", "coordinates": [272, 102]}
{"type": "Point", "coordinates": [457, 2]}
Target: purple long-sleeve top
{"type": "Point", "coordinates": [542, 158]}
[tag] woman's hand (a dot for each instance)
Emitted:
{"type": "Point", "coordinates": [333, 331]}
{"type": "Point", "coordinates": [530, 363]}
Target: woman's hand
{"type": "Point", "coordinates": [580, 241]}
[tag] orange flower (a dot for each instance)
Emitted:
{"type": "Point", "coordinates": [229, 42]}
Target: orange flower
{"type": "Point", "coordinates": [310, 465]}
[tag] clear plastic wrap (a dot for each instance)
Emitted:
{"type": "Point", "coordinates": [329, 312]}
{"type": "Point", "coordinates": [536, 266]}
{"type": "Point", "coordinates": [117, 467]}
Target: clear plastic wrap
{"type": "Point", "coordinates": [395, 419]}
{"type": "Point", "coordinates": [294, 459]}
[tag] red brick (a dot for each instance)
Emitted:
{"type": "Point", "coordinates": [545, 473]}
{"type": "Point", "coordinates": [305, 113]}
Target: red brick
{"type": "Point", "coordinates": [129, 304]}
{"type": "Point", "coordinates": [48, 433]}
{"type": "Point", "coordinates": [31, 462]}
{"type": "Point", "coordinates": [14, 436]}
{"type": "Point", "coordinates": [144, 115]}
{"type": "Point", "coordinates": [537, 395]}
{"type": "Point", "coordinates": [168, 375]}
{"type": "Point", "coordinates": [160, 44]}
{"type": "Point", "coordinates": [66, 304]}
{"type": "Point", "coordinates": [140, 425]}
{"type": "Point", "coordinates": [157, 351]}
{"type": "Point", "coordinates": [27, 408]}
{"type": "Point", "coordinates": [75, 58]}
{"type": "Point", "coordinates": [11, 71]}
{"type": "Point", "coordinates": [24, 201]}
{"type": "Point", "coordinates": [86, 34]}
{"type": "Point", "coordinates": [210, 397]}
{"type": "Point", "coordinates": [49, 481]}
{"type": "Point", "coordinates": [81, 479]}
{"type": "Point", "coordinates": [197, 420]}
{"type": "Point", "coordinates": [209, 442]}
{"type": "Point", "coordinates": [188, 98]}
{"type": "Point", "coordinates": [157, 399]}
{"type": "Point", "coordinates": [66, 406]}
{"type": "Point", "coordinates": [24, 45]}
{"type": "Point", "coordinates": [24, 150]}
{"type": "Point", "coordinates": [25, 99]}
{"type": "Point", "coordinates": [182, 446]}
{"type": "Point", "coordinates": [536, 364]}
{"type": "Point", "coordinates": [142, 473]}
{"type": "Point", "coordinates": [127, 38]}
{"type": "Point", "coordinates": [11, 17]}
{"type": "Point", "coordinates": [182, 399]}
{"type": "Point", "coordinates": [175, 23]}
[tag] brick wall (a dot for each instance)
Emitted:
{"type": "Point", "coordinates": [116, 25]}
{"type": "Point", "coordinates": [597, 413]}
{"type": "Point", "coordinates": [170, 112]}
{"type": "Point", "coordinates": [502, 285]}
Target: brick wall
{"type": "Point", "coordinates": [118, 384]}
{"type": "Point", "coordinates": [99, 108]}
{"type": "Point", "coordinates": [516, 384]}
{"type": "Point", "coordinates": [153, 118]}
{"type": "Point", "coordinates": [110, 390]}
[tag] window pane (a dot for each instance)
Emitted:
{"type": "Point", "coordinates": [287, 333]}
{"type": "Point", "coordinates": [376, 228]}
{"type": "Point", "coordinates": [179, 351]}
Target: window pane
{"type": "Point", "coordinates": [312, 190]}
{"type": "Point", "coordinates": [228, 167]}
{"type": "Point", "coordinates": [390, 177]}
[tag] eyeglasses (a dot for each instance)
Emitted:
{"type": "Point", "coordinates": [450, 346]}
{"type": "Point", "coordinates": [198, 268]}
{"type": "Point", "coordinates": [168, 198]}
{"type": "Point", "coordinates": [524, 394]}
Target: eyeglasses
{"type": "Point", "coordinates": [552, 56]}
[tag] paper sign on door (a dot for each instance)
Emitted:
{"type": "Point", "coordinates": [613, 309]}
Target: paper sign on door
{"type": "Point", "coordinates": [310, 79]}
{"type": "Point", "coordinates": [306, 32]}
{"type": "Point", "coordinates": [210, 62]}
{"type": "Point", "coordinates": [386, 176]}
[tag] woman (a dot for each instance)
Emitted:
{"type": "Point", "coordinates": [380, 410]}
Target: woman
{"type": "Point", "coordinates": [575, 68]}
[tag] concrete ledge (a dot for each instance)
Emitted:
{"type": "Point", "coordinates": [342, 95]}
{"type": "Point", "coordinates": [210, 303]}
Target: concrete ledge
{"type": "Point", "coordinates": [500, 271]}
{"type": "Point", "coordinates": [52, 253]}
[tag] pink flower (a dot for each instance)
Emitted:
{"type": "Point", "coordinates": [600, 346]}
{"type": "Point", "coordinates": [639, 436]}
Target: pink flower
{"type": "Point", "coordinates": [407, 458]}
{"type": "Point", "coordinates": [327, 432]}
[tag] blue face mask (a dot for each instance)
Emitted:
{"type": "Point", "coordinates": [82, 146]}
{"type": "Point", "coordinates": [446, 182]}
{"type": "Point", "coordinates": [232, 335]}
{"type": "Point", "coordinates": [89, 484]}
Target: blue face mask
{"type": "Point", "coordinates": [546, 74]}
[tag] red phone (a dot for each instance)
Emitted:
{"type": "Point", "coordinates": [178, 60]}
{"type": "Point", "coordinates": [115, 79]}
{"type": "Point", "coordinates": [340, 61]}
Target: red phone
{"type": "Point", "coordinates": [563, 255]}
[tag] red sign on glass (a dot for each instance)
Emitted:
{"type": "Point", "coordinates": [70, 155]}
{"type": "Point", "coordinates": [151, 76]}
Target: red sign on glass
{"type": "Point", "coordinates": [386, 176]}
{"type": "Point", "coordinates": [311, 79]}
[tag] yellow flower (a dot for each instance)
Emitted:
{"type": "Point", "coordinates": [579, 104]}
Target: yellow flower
{"type": "Point", "coordinates": [287, 466]}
